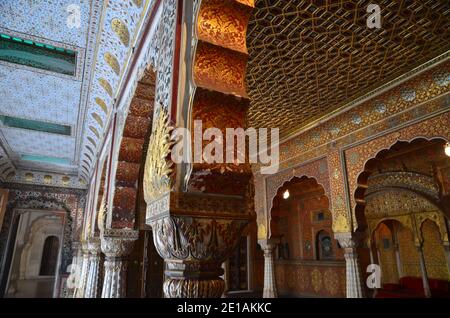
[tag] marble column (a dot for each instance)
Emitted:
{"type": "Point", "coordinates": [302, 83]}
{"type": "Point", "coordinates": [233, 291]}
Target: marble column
{"type": "Point", "coordinates": [270, 285]}
{"type": "Point", "coordinates": [423, 268]}
{"type": "Point", "coordinates": [91, 290]}
{"type": "Point", "coordinates": [116, 244]}
{"type": "Point", "coordinates": [353, 272]}
{"type": "Point", "coordinates": [76, 263]}
{"type": "Point", "coordinates": [82, 279]}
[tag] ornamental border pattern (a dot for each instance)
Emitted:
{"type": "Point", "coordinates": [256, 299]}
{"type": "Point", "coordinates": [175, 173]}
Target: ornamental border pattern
{"type": "Point", "coordinates": [356, 157]}
{"type": "Point", "coordinates": [317, 169]}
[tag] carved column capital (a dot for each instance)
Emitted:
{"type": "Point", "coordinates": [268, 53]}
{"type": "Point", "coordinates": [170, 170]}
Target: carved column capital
{"type": "Point", "coordinates": [84, 248]}
{"type": "Point", "coordinates": [116, 245]}
{"type": "Point", "coordinates": [350, 241]}
{"type": "Point", "coordinates": [94, 246]}
{"type": "Point", "coordinates": [268, 245]}
{"type": "Point", "coordinates": [118, 242]}
{"type": "Point", "coordinates": [76, 246]}
{"type": "Point", "coordinates": [347, 240]}
{"type": "Point", "coordinates": [194, 249]}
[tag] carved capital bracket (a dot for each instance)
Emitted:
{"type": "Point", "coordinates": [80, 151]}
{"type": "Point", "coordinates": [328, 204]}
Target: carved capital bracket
{"type": "Point", "coordinates": [118, 242]}
{"type": "Point", "coordinates": [94, 246]}
{"type": "Point", "coordinates": [194, 249]}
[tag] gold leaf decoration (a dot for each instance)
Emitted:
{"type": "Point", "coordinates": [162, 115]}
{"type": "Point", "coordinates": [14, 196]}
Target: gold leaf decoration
{"type": "Point", "coordinates": [48, 179]}
{"type": "Point", "coordinates": [120, 28]}
{"type": "Point", "coordinates": [100, 102]}
{"type": "Point", "coordinates": [138, 3]}
{"type": "Point", "coordinates": [158, 169]}
{"type": "Point", "coordinates": [95, 131]}
{"type": "Point", "coordinates": [112, 61]}
{"type": "Point", "coordinates": [92, 141]}
{"type": "Point", "coordinates": [65, 180]}
{"type": "Point", "coordinates": [262, 232]}
{"type": "Point", "coordinates": [98, 119]}
{"type": "Point", "coordinates": [29, 177]}
{"type": "Point", "coordinates": [106, 86]}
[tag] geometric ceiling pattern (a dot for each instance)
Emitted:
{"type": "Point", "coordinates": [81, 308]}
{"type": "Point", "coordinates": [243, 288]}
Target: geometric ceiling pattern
{"type": "Point", "coordinates": [29, 93]}
{"type": "Point", "coordinates": [103, 42]}
{"type": "Point", "coordinates": [119, 34]}
{"type": "Point", "coordinates": [309, 58]}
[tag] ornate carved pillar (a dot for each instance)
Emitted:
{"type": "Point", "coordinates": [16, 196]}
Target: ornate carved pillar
{"type": "Point", "coordinates": [116, 244]}
{"type": "Point", "coordinates": [81, 285]}
{"type": "Point", "coordinates": [423, 268]}
{"type": "Point", "coordinates": [91, 290]}
{"type": "Point", "coordinates": [270, 285]}
{"type": "Point", "coordinates": [353, 272]}
{"type": "Point", "coordinates": [194, 249]}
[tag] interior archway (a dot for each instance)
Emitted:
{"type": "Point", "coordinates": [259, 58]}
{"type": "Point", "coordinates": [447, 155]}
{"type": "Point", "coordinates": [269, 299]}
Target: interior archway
{"type": "Point", "coordinates": [401, 189]}
{"type": "Point", "coordinates": [307, 253]}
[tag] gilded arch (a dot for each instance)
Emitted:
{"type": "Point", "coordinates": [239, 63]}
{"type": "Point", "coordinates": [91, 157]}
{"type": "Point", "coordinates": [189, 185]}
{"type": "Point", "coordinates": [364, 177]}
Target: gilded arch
{"type": "Point", "coordinates": [357, 157]}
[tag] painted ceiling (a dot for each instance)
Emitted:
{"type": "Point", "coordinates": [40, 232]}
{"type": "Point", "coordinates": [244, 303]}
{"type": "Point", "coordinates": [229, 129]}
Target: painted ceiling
{"type": "Point", "coordinates": [103, 41]}
{"type": "Point", "coordinates": [310, 58]}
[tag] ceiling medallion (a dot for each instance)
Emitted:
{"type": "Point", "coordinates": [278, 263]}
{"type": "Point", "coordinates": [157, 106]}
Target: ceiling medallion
{"type": "Point", "coordinates": [441, 78]}
{"type": "Point", "coordinates": [65, 180]}
{"type": "Point", "coordinates": [408, 95]}
{"type": "Point", "coordinates": [119, 27]}
{"type": "Point", "coordinates": [334, 130]}
{"type": "Point", "coordinates": [102, 104]}
{"type": "Point", "coordinates": [48, 179]}
{"type": "Point", "coordinates": [316, 136]}
{"type": "Point", "coordinates": [111, 60]}
{"type": "Point", "coordinates": [380, 107]}
{"type": "Point", "coordinates": [106, 86]}
{"type": "Point", "coordinates": [356, 119]}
